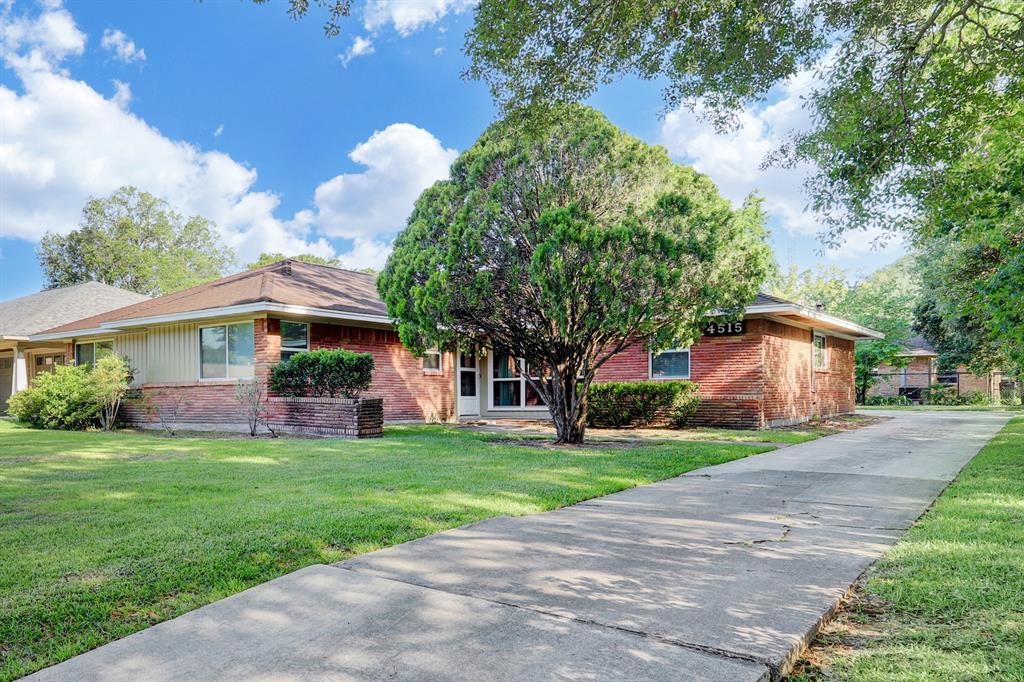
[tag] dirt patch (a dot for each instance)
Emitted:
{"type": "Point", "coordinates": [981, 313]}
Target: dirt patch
{"type": "Point", "coordinates": [860, 619]}
{"type": "Point", "coordinates": [839, 423]}
{"type": "Point", "coordinates": [604, 444]}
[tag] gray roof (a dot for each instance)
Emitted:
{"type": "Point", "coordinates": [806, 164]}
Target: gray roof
{"type": "Point", "coordinates": [918, 345]}
{"type": "Point", "coordinates": [37, 312]}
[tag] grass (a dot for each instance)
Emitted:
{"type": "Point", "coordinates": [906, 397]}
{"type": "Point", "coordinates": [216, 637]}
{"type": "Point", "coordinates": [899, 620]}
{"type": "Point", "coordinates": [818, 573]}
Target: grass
{"type": "Point", "coordinates": [944, 408]}
{"type": "Point", "coordinates": [102, 534]}
{"type": "Point", "coordinates": [947, 603]}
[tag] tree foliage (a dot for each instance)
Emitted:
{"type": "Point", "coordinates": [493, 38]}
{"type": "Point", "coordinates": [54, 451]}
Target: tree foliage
{"type": "Point", "coordinates": [135, 241]}
{"type": "Point", "coordinates": [562, 245]}
{"type": "Point", "coordinates": [900, 87]}
{"type": "Point", "coordinates": [972, 245]}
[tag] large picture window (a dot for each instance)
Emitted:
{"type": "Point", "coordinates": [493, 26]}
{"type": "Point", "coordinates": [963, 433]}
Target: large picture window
{"type": "Point", "coordinates": [820, 351]}
{"type": "Point", "coordinates": [294, 338]}
{"type": "Point", "coordinates": [227, 351]}
{"type": "Point", "coordinates": [90, 353]}
{"type": "Point", "coordinates": [509, 389]}
{"type": "Point", "coordinates": [673, 363]}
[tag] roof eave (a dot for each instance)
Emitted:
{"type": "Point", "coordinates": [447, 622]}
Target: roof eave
{"type": "Point", "coordinates": [847, 328]}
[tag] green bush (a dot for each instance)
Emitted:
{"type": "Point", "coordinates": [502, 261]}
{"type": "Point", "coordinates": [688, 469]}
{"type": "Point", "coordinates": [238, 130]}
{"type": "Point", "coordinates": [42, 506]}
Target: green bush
{"type": "Point", "coordinates": [619, 404]}
{"type": "Point", "coordinates": [888, 400]}
{"type": "Point", "coordinates": [64, 399]}
{"type": "Point", "coordinates": [944, 394]}
{"type": "Point", "coordinates": [322, 373]}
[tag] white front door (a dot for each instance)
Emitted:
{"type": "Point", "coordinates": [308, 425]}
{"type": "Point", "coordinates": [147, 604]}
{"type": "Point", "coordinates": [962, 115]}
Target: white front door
{"type": "Point", "coordinates": [468, 384]}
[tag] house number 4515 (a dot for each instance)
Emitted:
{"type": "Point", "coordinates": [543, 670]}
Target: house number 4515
{"type": "Point", "coordinates": [724, 328]}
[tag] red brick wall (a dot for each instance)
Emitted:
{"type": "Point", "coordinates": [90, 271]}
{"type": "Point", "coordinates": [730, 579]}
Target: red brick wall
{"type": "Point", "coordinates": [757, 378]}
{"type": "Point", "coordinates": [205, 402]}
{"type": "Point", "coordinates": [398, 376]}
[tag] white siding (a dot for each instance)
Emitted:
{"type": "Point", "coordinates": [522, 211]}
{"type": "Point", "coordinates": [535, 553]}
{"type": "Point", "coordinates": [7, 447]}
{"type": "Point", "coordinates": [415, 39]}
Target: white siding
{"type": "Point", "coordinates": [173, 353]}
{"type": "Point", "coordinates": [134, 347]}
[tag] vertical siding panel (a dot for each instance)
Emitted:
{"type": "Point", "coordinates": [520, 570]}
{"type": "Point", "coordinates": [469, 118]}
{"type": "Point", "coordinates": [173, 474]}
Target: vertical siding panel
{"type": "Point", "coordinates": [134, 347]}
{"type": "Point", "coordinates": [172, 353]}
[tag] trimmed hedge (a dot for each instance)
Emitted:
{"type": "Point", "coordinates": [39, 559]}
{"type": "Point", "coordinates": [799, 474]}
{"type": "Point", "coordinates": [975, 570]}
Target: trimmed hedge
{"type": "Point", "coordinates": [322, 373]}
{"type": "Point", "coordinates": [625, 404]}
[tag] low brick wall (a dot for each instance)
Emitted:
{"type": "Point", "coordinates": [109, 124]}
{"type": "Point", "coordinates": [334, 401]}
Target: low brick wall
{"type": "Point", "coordinates": [346, 417]}
{"type": "Point", "coordinates": [735, 412]}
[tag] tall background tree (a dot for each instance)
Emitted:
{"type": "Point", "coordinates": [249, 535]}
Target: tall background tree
{"type": "Point", "coordinates": [562, 245]}
{"type": "Point", "coordinates": [135, 241]}
{"type": "Point", "coordinates": [273, 257]}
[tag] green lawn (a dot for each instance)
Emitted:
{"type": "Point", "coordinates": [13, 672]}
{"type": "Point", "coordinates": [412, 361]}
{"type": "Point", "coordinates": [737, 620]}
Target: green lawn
{"type": "Point", "coordinates": [943, 408]}
{"type": "Point", "coordinates": [947, 603]}
{"type": "Point", "coordinates": [105, 534]}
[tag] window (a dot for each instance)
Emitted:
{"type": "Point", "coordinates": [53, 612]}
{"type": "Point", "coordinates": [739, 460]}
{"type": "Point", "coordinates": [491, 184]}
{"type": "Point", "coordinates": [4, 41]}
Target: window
{"type": "Point", "coordinates": [951, 378]}
{"type": "Point", "coordinates": [673, 363]}
{"type": "Point", "coordinates": [820, 352]}
{"type": "Point", "coordinates": [294, 338]}
{"type": "Point", "coordinates": [89, 353]}
{"type": "Point", "coordinates": [227, 351]}
{"type": "Point", "coordinates": [47, 363]}
{"type": "Point", "coordinates": [432, 361]}
{"type": "Point", "coordinates": [509, 389]}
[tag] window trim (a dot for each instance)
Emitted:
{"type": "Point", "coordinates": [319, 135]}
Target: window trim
{"type": "Point", "coordinates": [522, 390]}
{"type": "Point", "coordinates": [199, 351]}
{"type": "Point", "coordinates": [440, 361]}
{"type": "Point", "coordinates": [824, 352]}
{"type": "Point", "coordinates": [689, 364]}
{"type": "Point", "coordinates": [280, 333]}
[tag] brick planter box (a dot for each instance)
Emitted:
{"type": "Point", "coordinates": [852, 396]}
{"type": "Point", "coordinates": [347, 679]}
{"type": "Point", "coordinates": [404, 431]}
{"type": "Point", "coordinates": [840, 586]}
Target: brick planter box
{"type": "Point", "coordinates": [346, 417]}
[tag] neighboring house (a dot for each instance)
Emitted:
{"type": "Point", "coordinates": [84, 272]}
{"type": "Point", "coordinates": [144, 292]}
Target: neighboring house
{"type": "Point", "coordinates": [21, 359]}
{"type": "Point", "coordinates": [922, 370]}
{"type": "Point", "coordinates": [783, 363]}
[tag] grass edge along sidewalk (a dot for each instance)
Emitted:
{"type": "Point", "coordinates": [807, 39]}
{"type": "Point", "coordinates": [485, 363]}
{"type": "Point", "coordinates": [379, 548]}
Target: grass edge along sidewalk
{"type": "Point", "coordinates": [947, 602]}
{"type": "Point", "coordinates": [104, 534]}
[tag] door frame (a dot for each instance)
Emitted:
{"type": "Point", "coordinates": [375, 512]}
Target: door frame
{"type": "Point", "coordinates": [459, 369]}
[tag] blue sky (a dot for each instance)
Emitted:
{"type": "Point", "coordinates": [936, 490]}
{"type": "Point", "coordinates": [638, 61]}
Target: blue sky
{"type": "Point", "coordinates": [291, 141]}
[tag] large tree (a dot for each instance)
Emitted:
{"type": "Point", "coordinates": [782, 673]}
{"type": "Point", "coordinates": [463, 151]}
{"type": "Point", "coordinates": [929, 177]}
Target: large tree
{"type": "Point", "coordinates": [901, 86]}
{"type": "Point", "coordinates": [563, 244]}
{"type": "Point", "coordinates": [135, 241]}
{"type": "Point", "coordinates": [972, 244]}
{"type": "Point", "coordinates": [266, 258]}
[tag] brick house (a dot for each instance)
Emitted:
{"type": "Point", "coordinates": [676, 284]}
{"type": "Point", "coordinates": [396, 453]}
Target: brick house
{"type": "Point", "coordinates": [922, 371]}
{"type": "Point", "coordinates": [783, 363]}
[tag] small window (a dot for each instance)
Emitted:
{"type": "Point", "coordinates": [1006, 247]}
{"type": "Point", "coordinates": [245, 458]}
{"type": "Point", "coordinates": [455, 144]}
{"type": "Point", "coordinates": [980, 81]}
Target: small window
{"type": "Point", "coordinates": [227, 351]}
{"type": "Point", "coordinates": [432, 362]}
{"type": "Point", "coordinates": [673, 363]}
{"type": "Point", "coordinates": [820, 352]}
{"type": "Point", "coordinates": [90, 353]}
{"type": "Point", "coordinates": [294, 338]}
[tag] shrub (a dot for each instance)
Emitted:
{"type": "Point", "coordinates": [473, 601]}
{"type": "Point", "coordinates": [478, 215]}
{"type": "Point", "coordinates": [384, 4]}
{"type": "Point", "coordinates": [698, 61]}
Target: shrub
{"type": "Point", "coordinates": [323, 373]}
{"type": "Point", "coordinates": [111, 378]}
{"type": "Point", "coordinates": [618, 404]}
{"type": "Point", "coordinates": [888, 400]}
{"type": "Point", "coordinates": [64, 399]}
{"type": "Point", "coordinates": [249, 395]}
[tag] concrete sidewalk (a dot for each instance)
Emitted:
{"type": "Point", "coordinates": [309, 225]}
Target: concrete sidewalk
{"type": "Point", "coordinates": [720, 574]}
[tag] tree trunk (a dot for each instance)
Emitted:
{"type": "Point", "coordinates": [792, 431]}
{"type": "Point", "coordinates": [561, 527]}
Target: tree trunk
{"type": "Point", "coordinates": [568, 410]}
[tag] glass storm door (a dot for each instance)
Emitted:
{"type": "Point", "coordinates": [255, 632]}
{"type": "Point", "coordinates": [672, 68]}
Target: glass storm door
{"type": "Point", "coordinates": [469, 393]}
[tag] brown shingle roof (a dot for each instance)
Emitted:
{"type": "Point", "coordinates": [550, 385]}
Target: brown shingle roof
{"type": "Point", "coordinates": [287, 282]}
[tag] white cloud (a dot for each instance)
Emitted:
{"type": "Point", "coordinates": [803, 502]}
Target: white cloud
{"type": "Point", "coordinates": [122, 46]}
{"type": "Point", "coordinates": [64, 142]}
{"type": "Point", "coordinates": [439, 51]}
{"type": "Point", "coordinates": [360, 47]}
{"type": "Point", "coordinates": [219, 131]}
{"type": "Point", "coordinates": [409, 16]}
{"type": "Point", "coordinates": [402, 160]}
{"type": "Point", "coordinates": [367, 253]}
{"type": "Point", "coordinates": [733, 160]}
{"type": "Point", "coordinates": [122, 94]}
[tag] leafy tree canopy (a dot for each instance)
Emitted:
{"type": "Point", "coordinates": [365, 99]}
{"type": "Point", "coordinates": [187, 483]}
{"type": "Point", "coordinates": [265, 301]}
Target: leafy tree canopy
{"type": "Point", "coordinates": [972, 244]}
{"type": "Point", "coordinates": [564, 245]}
{"type": "Point", "coordinates": [135, 241]}
{"type": "Point", "coordinates": [900, 86]}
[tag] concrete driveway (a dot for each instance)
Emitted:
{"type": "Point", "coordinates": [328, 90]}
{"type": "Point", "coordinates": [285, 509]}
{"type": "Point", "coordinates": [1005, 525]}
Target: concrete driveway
{"type": "Point", "coordinates": [720, 574]}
